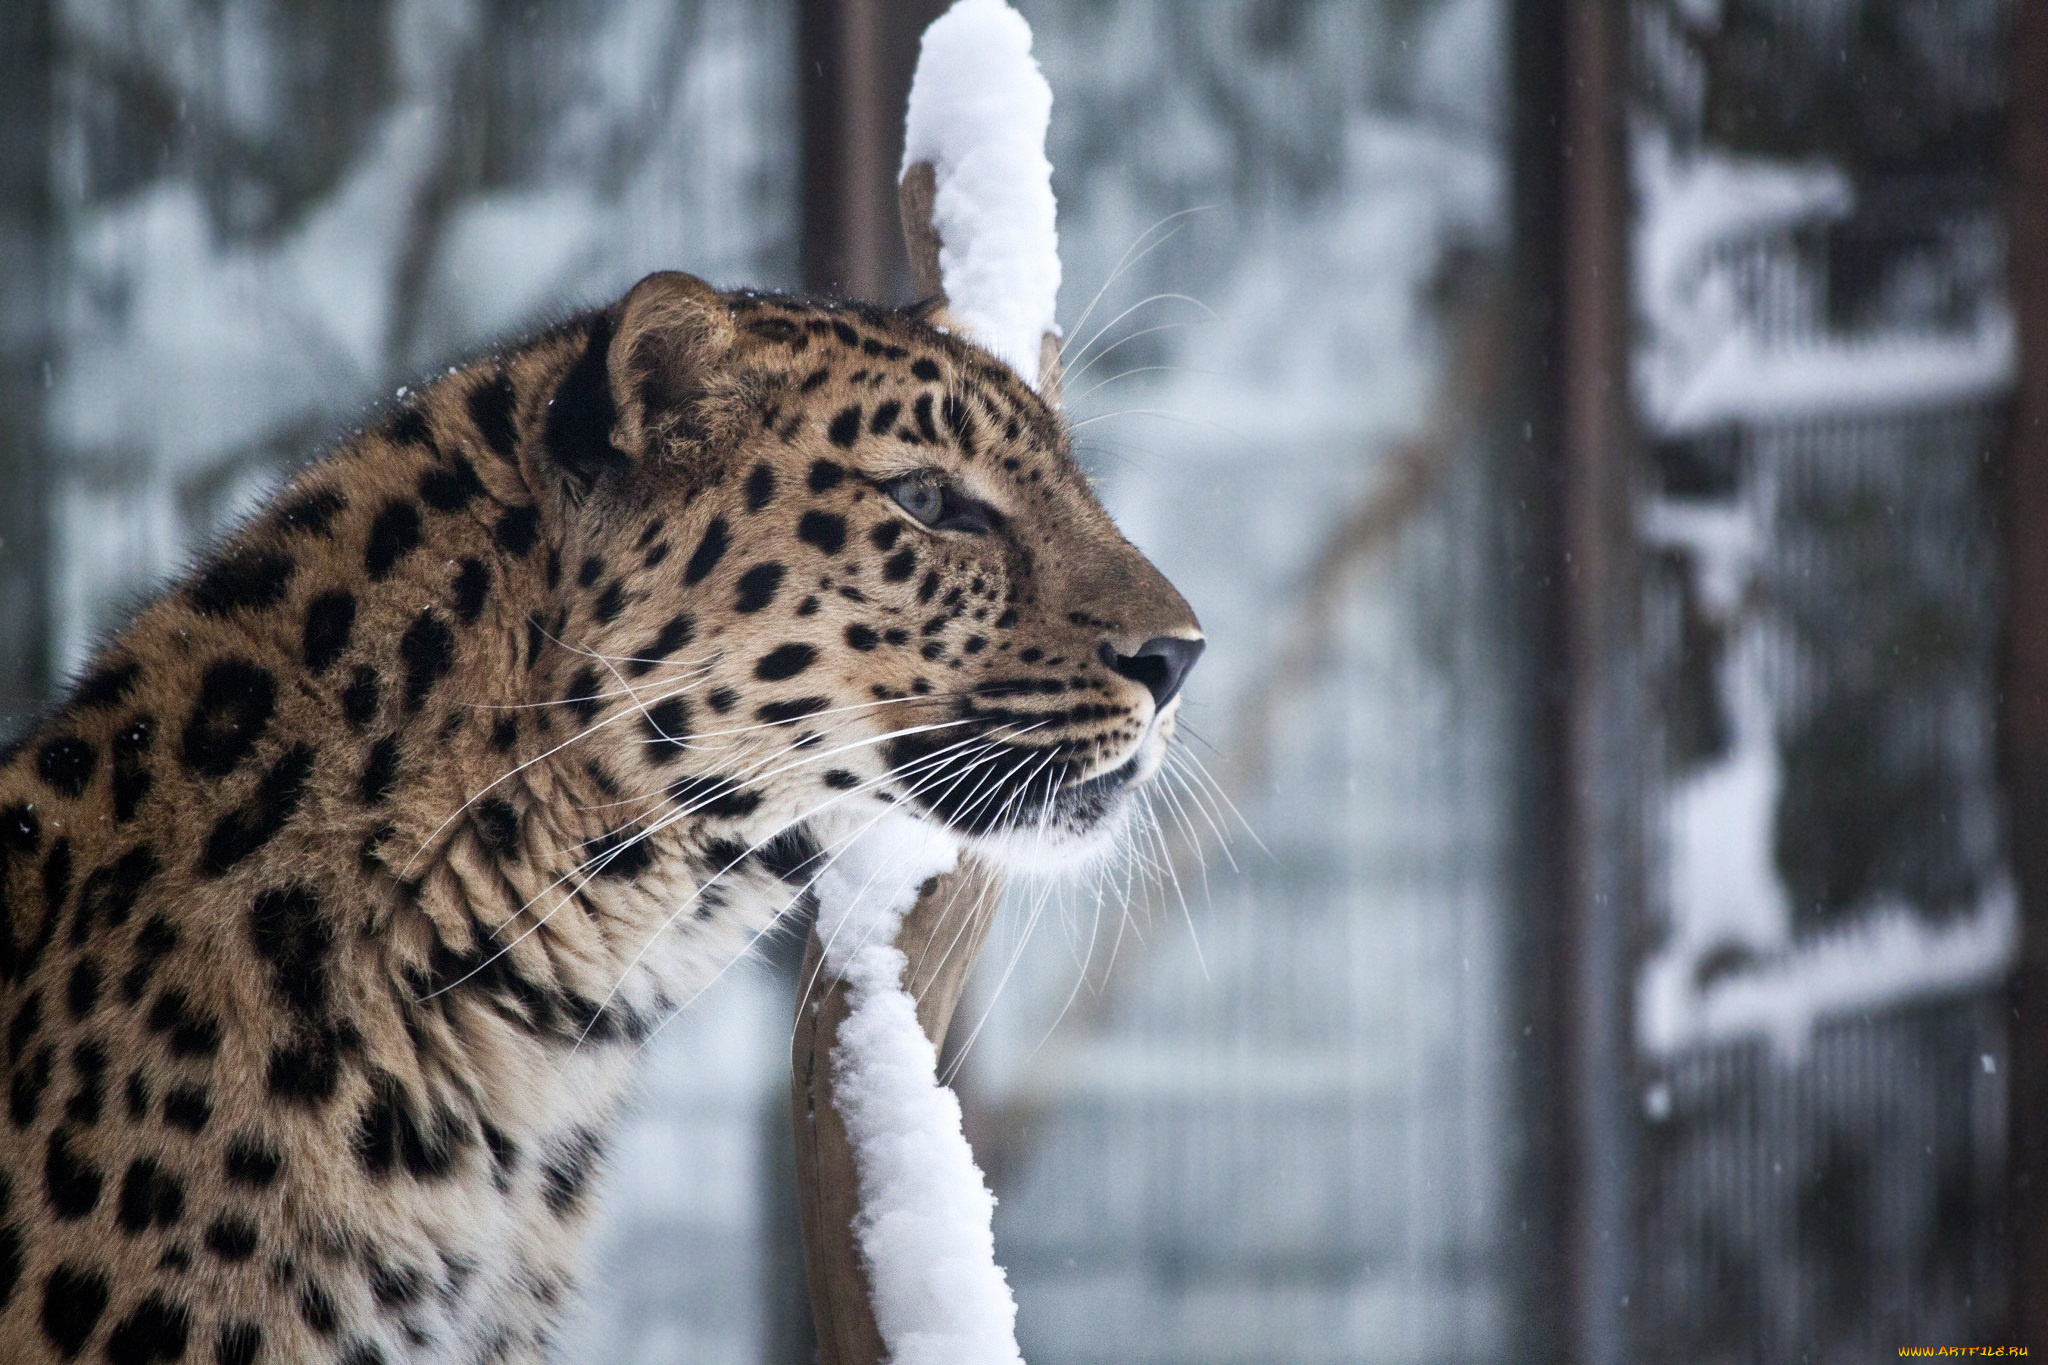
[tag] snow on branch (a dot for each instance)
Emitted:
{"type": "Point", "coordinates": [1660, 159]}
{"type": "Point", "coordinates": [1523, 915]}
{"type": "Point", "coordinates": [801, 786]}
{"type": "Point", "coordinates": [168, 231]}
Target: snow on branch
{"type": "Point", "coordinates": [924, 1227]}
{"type": "Point", "coordinates": [979, 108]}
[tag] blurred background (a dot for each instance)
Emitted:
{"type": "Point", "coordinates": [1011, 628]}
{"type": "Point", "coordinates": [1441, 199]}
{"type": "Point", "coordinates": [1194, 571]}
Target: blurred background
{"type": "Point", "coordinates": [1599, 912]}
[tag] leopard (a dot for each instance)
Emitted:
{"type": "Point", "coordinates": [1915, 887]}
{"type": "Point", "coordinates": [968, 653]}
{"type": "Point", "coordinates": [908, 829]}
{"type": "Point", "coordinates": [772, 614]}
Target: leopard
{"type": "Point", "coordinates": [340, 892]}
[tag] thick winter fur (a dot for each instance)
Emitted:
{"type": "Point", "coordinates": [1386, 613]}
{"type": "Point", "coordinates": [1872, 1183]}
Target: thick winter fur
{"type": "Point", "coordinates": [335, 898]}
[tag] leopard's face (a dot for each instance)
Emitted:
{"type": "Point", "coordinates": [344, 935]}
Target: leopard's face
{"type": "Point", "coordinates": [856, 566]}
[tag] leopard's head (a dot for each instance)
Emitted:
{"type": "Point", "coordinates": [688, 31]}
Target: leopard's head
{"type": "Point", "coordinates": [838, 559]}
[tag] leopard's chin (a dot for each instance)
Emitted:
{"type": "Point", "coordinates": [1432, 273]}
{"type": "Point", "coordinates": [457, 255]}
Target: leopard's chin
{"type": "Point", "coordinates": [1084, 820]}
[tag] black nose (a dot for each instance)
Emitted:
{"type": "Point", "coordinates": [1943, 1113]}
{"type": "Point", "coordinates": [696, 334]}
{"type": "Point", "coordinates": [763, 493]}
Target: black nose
{"type": "Point", "coordinates": [1161, 664]}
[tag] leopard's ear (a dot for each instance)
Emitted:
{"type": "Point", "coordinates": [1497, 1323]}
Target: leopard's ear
{"type": "Point", "coordinates": [672, 331]}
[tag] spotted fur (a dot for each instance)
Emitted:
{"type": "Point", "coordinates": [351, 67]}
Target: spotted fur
{"type": "Point", "coordinates": [336, 896]}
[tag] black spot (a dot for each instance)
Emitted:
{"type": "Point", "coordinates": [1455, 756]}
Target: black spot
{"type": "Point", "coordinates": [784, 661]}
{"type": "Point", "coordinates": [499, 824]}
{"type": "Point", "coordinates": [826, 530]}
{"type": "Point", "coordinates": [722, 699]}
{"type": "Point", "coordinates": [237, 1343]}
{"type": "Point", "coordinates": [242, 831]}
{"type": "Point", "coordinates": [815, 380]}
{"type": "Point", "coordinates": [590, 572]}
{"type": "Point", "coordinates": [667, 724]}
{"type": "Point", "coordinates": [843, 430]}
{"type": "Point", "coordinates": [242, 580]}
{"type": "Point", "coordinates": [884, 417]}
{"type": "Point", "coordinates": [896, 636]}
{"type": "Point", "coordinates": [565, 1176]}
{"type": "Point", "coordinates": [472, 582]}
{"type": "Point", "coordinates": [231, 1238]}
{"type": "Point", "coordinates": [760, 487]}
{"type": "Point", "coordinates": [291, 934]}
{"type": "Point", "coordinates": [898, 567]}
{"type": "Point", "coordinates": [784, 712]}
{"type": "Point", "coordinates": [359, 699]}
{"type": "Point", "coordinates": [307, 1069]}
{"type": "Point", "coordinates": [679, 631]}
{"type": "Point", "coordinates": [825, 475]}
{"type": "Point", "coordinates": [861, 637]}
{"type": "Point", "coordinates": [82, 992]}
{"type": "Point", "coordinates": [72, 1182]}
{"type": "Point", "coordinates": [393, 535]}
{"type": "Point", "coordinates": [397, 1286]}
{"type": "Point", "coordinates": [391, 1133]}
{"type": "Point", "coordinates": [251, 1161]}
{"type": "Point", "coordinates": [152, 943]}
{"type": "Point", "coordinates": [1006, 620]}
{"type": "Point", "coordinates": [886, 535]}
{"type": "Point", "coordinates": [845, 333]}
{"type": "Point", "coordinates": [66, 764]}
{"type": "Point", "coordinates": [517, 530]}
{"type": "Point", "coordinates": [21, 829]}
{"type": "Point", "coordinates": [451, 489]}
{"type": "Point", "coordinates": [379, 772]}
{"type": "Point", "coordinates": [655, 555]}
{"type": "Point", "coordinates": [428, 651]}
{"type": "Point", "coordinates": [714, 795]}
{"type": "Point", "coordinates": [236, 702]}
{"type": "Point", "coordinates": [504, 734]}
{"type": "Point", "coordinates": [928, 589]}
{"type": "Point", "coordinates": [925, 369]}
{"type": "Point", "coordinates": [137, 1094]}
{"type": "Point", "coordinates": [408, 427]}
{"type": "Point", "coordinates": [104, 687]}
{"type": "Point", "coordinates": [839, 779]}
{"type": "Point", "coordinates": [312, 513]}
{"type": "Point", "coordinates": [25, 1090]}
{"type": "Point", "coordinates": [89, 1063]}
{"type": "Point", "coordinates": [922, 410]}
{"type": "Point", "coordinates": [757, 587]}
{"type": "Point", "coordinates": [490, 408]}
{"type": "Point", "coordinates": [609, 603]}
{"type": "Point", "coordinates": [193, 1033]}
{"type": "Point", "coordinates": [187, 1107]}
{"type": "Point", "coordinates": [28, 1021]}
{"type": "Point", "coordinates": [791, 855]}
{"type": "Point", "coordinates": [151, 1197]}
{"type": "Point", "coordinates": [621, 854]}
{"type": "Point", "coordinates": [578, 430]}
{"type": "Point", "coordinates": [132, 779]}
{"type": "Point", "coordinates": [154, 1331]}
{"type": "Point", "coordinates": [10, 1263]}
{"type": "Point", "coordinates": [330, 618]}
{"type": "Point", "coordinates": [318, 1309]}
{"type": "Point", "coordinates": [583, 693]}
{"type": "Point", "coordinates": [709, 551]}
{"type": "Point", "coordinates": [73, 1300]}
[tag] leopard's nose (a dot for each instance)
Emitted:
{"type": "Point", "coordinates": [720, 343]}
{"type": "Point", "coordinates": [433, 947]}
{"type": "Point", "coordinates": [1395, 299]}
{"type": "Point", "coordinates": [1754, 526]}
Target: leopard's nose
{"type": "Point", "coordinates": [1161, 664]}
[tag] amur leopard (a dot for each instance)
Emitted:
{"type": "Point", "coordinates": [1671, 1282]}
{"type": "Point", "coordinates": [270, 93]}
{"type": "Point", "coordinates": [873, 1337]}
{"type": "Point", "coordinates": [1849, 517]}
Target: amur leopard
{"type": "Point", "coordinates": [339, 892]}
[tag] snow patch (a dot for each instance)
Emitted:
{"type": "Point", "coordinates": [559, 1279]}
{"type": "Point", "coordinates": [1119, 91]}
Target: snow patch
{"type": "Point", "coordinates": [979, 108]}
{"type": "Point", "coordinates": [924, 1229]}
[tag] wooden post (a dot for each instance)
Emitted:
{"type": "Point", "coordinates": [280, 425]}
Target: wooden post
{"type": "Point", "coordinates": [857, 57]}
{"type": "Point", "coordinates": [1583, 836]}
{"type": "Point", "coordinates": [2023, 681]}
{"type": "Point", "coordinates": [941, 936]}
{"type": "Point", "coordinates": [27, 236]}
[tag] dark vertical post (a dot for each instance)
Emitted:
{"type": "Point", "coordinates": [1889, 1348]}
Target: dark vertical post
{"type": "Point", "coordinates": [856, 61]}
{"type": "Point", "coordinates": [27, 224]}
{"type": "Point", "coordinates": [1583, 837]}
{"type": "Point", "coordinates": [2023, 684]}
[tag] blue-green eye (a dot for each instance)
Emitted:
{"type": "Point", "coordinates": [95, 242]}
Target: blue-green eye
{"type": "Point", "coordinates": [939, 505]}
{"type": "Point", "coordinates": [921, 497]}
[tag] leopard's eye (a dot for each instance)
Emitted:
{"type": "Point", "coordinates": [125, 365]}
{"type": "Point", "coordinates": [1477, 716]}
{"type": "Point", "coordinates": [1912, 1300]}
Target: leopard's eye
{"type": "Point", "coordinates": [921, 497]}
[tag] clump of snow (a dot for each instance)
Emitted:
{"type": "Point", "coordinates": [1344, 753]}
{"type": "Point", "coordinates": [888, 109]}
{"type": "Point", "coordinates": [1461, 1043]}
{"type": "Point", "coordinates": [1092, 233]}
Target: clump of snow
{"type": "Point", "coordinates": [979, 108]}
{"type": "Point", "coordinates": [924, 1227]}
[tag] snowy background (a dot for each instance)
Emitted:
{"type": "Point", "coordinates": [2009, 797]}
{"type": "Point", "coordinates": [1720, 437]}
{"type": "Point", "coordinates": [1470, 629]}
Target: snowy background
{"type": "Point", "coordinates": [1272, 1107]}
